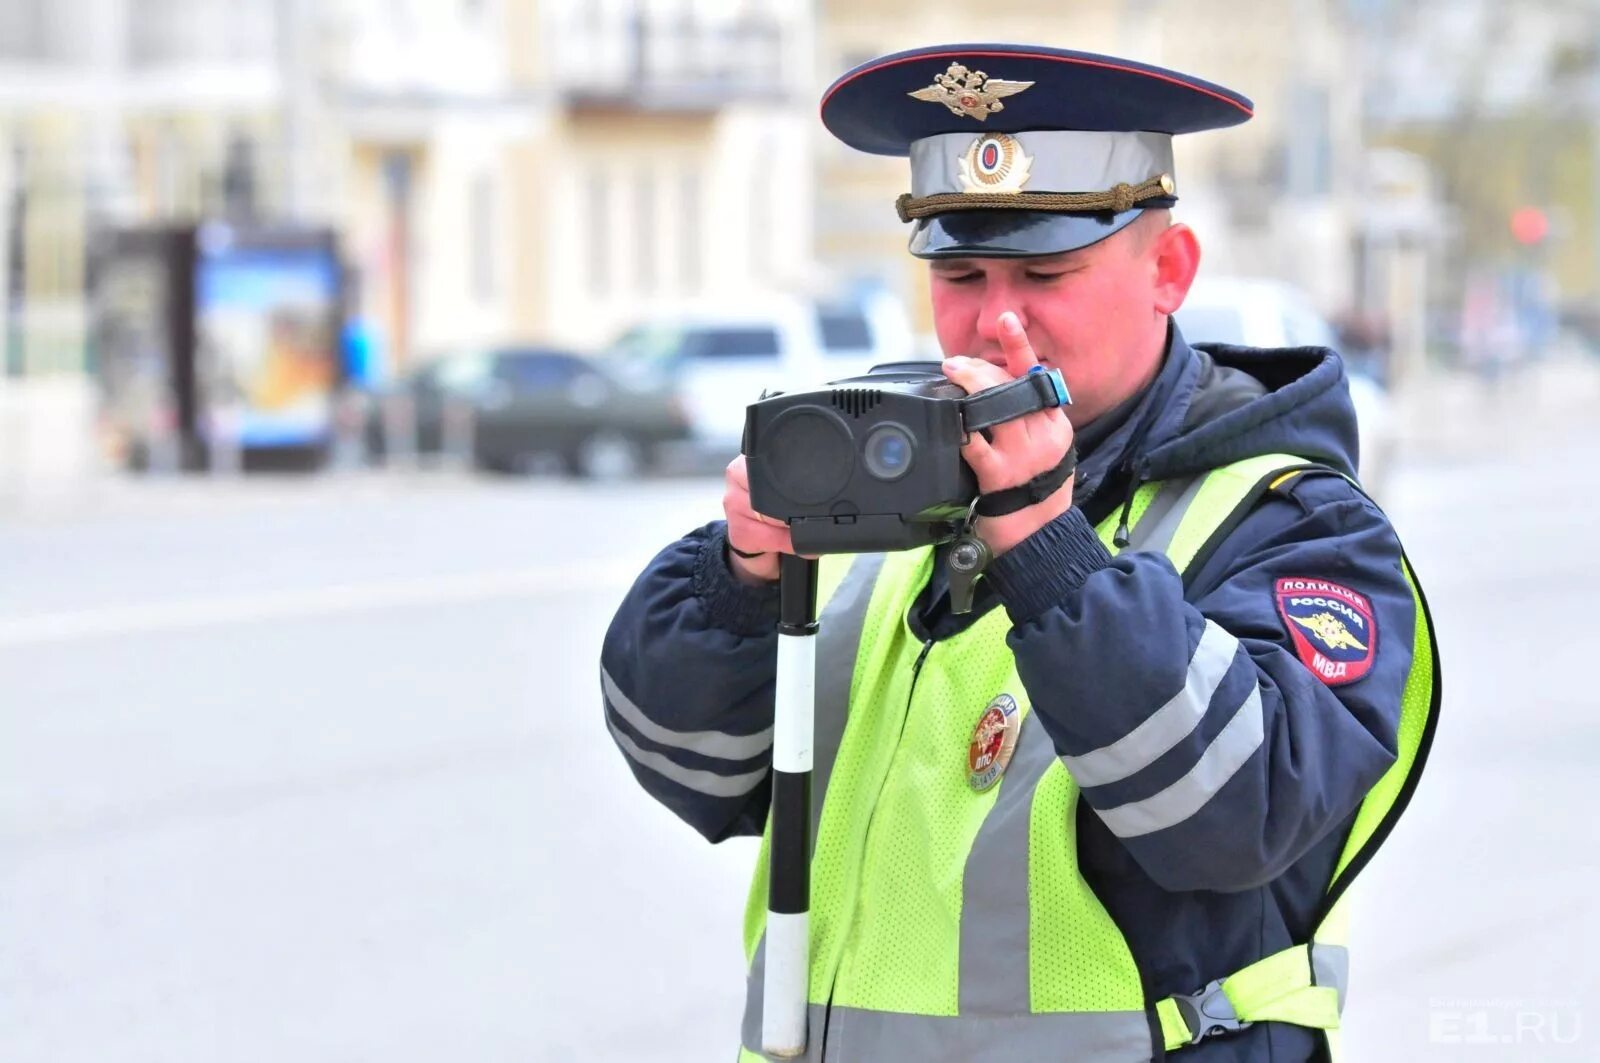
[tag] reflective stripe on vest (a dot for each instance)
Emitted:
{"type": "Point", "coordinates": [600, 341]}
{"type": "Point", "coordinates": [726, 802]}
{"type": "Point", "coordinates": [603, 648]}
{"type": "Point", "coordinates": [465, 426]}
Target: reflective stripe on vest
{"type": "Point", "coordinates": [1307, 984]}
{"type": "Point", "coordinates": [983, 941]}
{"type": "Point", "coordinates": [840, 1032]}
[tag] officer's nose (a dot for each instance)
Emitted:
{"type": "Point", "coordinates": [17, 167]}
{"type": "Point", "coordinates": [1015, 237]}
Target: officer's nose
{"type": "Point", "coordinates": [998, 297]}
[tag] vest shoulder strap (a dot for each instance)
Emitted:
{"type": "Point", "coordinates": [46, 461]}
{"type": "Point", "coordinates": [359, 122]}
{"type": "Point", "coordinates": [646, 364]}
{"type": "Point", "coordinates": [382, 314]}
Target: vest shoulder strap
{"type": "Point", "coordinates": [1188, 517]}
{"type": "Point", "coordinates": [1222, 499]}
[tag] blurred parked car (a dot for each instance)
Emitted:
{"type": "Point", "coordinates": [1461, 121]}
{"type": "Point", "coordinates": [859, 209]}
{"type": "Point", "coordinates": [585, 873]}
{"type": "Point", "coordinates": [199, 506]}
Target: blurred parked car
{"type": "Point", "coordinates": [516, 405]}
{"type": "Point", "coordinates": [1257, 312]}
{"type": "Point", "coordinates": [722, 359]}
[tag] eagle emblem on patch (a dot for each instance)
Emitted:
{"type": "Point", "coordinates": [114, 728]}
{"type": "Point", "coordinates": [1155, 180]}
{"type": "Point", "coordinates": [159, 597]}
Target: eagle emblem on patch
{"type": "Point", "coordinates": [994, 739]}
{"type": "Point", "coordinates": [1332, 628]}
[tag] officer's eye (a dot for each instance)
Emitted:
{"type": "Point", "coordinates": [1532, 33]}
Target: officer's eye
{"type": "Point", "coordinates": [961, 278]}
{"type": "Point", "coordinates": [1046, 278]}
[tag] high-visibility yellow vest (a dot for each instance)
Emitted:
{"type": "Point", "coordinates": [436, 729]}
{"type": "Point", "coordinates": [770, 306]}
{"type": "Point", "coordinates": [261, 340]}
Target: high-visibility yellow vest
{"type": "Point", "coordinates": [949, 924]}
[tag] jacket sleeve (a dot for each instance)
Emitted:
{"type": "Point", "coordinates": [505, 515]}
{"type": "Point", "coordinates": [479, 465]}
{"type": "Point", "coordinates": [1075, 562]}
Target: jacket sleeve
{"type": "Point", "coordinates": [686, 676]}
{"type": "Point", "coordinates": [1197, 729]}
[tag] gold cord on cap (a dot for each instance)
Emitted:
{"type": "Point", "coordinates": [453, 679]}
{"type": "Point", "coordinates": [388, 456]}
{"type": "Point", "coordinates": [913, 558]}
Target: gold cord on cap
{"type": "Point", "coordinates": [1120, 198]}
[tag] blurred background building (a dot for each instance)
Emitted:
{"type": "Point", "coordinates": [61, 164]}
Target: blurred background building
{"type": "Point", "coordinates": [556, 171]}
{"type": "Point", "coordinates": [1498, 109]}
{"type": "Point", "coordinates": [485, 163]}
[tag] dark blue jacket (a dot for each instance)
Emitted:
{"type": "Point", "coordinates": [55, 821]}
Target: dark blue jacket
{"type": "Point", "coordinates": [692, 650]}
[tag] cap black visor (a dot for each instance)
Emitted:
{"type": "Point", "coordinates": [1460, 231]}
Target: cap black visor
{"type": "Point", "coordinates": [1012, 233]}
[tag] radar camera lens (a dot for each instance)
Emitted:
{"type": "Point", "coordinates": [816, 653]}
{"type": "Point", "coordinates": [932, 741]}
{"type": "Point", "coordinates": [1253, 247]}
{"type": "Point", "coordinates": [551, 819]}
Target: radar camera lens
{"type": "Point", "coordinates": [888, 451]}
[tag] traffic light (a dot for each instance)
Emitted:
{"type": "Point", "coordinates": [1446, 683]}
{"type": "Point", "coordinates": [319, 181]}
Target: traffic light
{"type": "Point", "coordinates": [1529, 225]}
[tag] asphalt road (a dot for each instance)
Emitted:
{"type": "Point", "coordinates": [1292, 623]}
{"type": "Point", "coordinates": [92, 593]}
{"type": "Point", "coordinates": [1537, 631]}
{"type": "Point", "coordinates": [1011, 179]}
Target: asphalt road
{"type": "Point", "coordinates": [317, 771]}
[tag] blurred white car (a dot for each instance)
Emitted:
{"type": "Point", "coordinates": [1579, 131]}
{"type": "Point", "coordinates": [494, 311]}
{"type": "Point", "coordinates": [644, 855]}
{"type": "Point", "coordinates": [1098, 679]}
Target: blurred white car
{"type": "Point", "coordinates": [1258, 312]}
{"type": "Point", "coordinates": [721, 359]}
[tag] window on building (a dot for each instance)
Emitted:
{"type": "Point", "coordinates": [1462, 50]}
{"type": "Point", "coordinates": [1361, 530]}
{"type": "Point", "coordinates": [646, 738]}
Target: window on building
{"type": "Point", "coordinates": [239, 192]}
{"type": "Point", "coordinates": [481, 231]}
{"type": "Point", "coordinates": [690, 233]}
{"type": "Point", "coordinates": [597, 237]}
{"type": "Point", "coordinates": [174, 191]}
{"type": "Point", "coordinates": [1309, 162]}
{"type": "Point", "coordinates": [761, 221]}
{"type": "Point", "coordinates": [644, 232]}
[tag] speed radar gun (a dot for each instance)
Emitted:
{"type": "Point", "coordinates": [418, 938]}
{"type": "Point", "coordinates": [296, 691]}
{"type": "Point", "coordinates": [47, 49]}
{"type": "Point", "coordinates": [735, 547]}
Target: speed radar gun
{"type": "Point", "coordinates": [863, 465]}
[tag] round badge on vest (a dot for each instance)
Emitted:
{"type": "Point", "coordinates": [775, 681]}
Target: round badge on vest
{"type": "Point", "coordinates": [994, 739]}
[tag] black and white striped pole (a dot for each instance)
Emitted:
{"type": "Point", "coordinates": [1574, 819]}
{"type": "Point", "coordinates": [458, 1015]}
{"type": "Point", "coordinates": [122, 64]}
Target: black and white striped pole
{"type": "Point", "coordinates": [788, 962]}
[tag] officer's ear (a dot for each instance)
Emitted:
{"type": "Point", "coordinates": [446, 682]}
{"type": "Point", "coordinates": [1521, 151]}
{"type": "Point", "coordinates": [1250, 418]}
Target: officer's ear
{"type": "Point", "coordinates": [1175, 254]}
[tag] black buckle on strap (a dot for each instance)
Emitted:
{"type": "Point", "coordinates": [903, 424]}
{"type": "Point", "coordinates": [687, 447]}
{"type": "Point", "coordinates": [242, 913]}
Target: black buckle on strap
{"type": "Point", "coordinates": [1208, 1012]}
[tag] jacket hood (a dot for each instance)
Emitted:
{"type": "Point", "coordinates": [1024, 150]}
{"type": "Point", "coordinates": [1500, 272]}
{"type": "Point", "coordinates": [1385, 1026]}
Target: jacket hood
{"type": "Point", "coordinates": [1215, 404]}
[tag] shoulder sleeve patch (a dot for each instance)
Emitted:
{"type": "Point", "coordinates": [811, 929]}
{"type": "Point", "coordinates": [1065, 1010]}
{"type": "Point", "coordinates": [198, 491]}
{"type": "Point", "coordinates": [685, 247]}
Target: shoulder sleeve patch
{"type": "Point", "coordinates": [1332, 628]}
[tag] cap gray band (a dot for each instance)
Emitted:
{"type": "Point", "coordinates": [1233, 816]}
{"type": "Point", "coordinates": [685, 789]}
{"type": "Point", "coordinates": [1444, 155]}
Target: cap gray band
{"type": "Point", "coordinates": [1061, 160]}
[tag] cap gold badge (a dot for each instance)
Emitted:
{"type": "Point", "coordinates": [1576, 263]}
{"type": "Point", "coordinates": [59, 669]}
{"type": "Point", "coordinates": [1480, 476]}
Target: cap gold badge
{"type": "Point", "coordinates": [994, 739]}
{"type": "Point", "coordinates": [995, 163]}
{"type": "Point", "coordinates": [969, 92]}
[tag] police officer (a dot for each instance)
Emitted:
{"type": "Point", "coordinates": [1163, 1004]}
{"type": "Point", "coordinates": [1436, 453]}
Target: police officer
{"type": "Point", "coordinates": [1113, 812]}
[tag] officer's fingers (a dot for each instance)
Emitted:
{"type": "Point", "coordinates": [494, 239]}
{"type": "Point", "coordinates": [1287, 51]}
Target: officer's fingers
{"type": "Point", "coordinates": [973, 375]}
{"type": "Point", "coordinates": [1011, 437]}
{"type": "Point", "coordinates": [738, 475]}
{"type": "Point", "coordinates": [1014, 343]}
{"type": "Point", "coordinates": [986, 463]}
{"type": "Point", "coordinates": [755, 536]}
{"type": "Point", "coordinates": [737, 494]}
{"type": "Point", "coordinates": [1049, 435]}
{"type": "Point", "coordinates": [1058, 428]}
{"type": "Point", "coordinates": [736, 504]}
{"type": "Point", "coordinates": [1032, 444]}
{"type": "Point", "coordinates": [736, 501]}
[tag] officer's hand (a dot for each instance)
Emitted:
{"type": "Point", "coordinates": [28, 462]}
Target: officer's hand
{"type": "Point", "coordinates": [750, 531]}
{"type": "Point", "coordinates": [1018, 450]}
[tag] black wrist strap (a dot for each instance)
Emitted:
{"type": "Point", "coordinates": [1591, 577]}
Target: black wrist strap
{"type": "Point", "coordinates": [1036, 490]}
{"type": "Point", "coordinates": [1034, 390]}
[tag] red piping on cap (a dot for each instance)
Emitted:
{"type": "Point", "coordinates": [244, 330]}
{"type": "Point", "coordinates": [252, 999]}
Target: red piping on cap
{"type": "Point", "coordinates": [1035, 55]}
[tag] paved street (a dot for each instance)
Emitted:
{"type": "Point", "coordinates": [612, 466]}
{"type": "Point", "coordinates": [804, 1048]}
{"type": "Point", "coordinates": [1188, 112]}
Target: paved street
{"type": "Point", "coordinates": [317, 771]}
